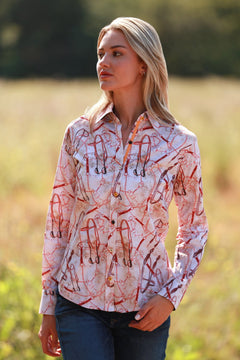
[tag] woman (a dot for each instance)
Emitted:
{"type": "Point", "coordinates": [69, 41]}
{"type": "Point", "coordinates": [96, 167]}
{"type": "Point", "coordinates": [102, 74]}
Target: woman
{"type": "Point", "coordinates": [108, 286]}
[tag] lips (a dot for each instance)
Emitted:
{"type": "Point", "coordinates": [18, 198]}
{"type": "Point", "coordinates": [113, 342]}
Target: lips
{"type": "Point", "coordinates": [104, 74]}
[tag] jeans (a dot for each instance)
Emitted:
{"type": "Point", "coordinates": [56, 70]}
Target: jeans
{"type": "Point", "coordinates": [86, 334]}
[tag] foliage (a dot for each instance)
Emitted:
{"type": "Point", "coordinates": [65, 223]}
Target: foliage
{"type": "Point", "coordinates": [58, 37]}
{"type": "Point", "coordinates": [44, 37]}
{"type": "Point", "coordinates": [19, 323]}
{"type": "Point", "coordinates": [33, 116]}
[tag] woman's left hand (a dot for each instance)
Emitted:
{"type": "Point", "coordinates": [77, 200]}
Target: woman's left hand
{"type": "Point", "coordinates": [152, 314]}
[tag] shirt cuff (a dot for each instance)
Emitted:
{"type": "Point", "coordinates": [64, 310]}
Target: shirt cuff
{"type": "Point", "coordinates": [48, 303]}
{"type": "Point", "coordinates": [174, 291]}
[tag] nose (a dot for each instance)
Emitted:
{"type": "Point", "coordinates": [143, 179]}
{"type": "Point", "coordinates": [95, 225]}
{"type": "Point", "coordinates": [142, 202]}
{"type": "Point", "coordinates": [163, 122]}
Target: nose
{"type": "Point", "coordinates": [104, 61]}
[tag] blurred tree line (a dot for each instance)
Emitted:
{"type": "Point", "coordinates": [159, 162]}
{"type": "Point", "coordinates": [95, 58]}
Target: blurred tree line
{"type": "Point", "coordinates": [58, 37]}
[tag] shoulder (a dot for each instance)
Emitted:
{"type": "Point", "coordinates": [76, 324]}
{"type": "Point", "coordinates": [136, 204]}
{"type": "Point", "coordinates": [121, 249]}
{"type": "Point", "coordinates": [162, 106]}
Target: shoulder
{"type": "Point", "coordinates": [177, 136]}
{"type": "Point", "coordinates": [188, 141]}
{"type": "Point", "coordinates": [77, 127]}
{"type": "Point", "coordinates": [182, 131]}
{"type": "Point", "coordinates": [173, 132]}
{"type": "Point", "coordinates": [180, 139]}
{"type": "Point", "coordinates": [77, 131]}
{"type": "Point", "coordinates": [81, 122]}
{"type": "Point", "coordinates": [184, 138]}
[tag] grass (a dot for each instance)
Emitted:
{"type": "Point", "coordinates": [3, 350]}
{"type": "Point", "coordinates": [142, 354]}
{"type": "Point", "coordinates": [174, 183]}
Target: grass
{"type": "Point", "coordinates": [33, 117]}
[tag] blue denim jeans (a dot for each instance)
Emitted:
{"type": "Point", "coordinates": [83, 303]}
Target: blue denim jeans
{"type": "Point", "coordinates": [86, 334]}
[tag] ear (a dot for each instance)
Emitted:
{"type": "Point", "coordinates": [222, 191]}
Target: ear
{"type": "Point", "coordinates": [143, 68]}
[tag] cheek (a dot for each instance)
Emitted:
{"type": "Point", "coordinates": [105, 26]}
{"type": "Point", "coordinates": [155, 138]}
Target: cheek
{"type": "Point", "coordinates": [97, 67]}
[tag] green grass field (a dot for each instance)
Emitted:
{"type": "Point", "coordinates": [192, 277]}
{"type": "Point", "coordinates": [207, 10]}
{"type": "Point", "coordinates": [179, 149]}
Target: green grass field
{"type": "Point", "coordinates": [33, 117]}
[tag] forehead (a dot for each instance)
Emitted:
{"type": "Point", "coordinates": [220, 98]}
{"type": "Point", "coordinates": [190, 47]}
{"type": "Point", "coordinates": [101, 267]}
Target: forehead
{"type": "Point", "coordinates": [113, 38]}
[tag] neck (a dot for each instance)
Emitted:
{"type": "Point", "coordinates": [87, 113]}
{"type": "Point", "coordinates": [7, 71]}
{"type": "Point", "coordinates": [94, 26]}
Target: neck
{"type": "Point", "coordinates": [128, 107]}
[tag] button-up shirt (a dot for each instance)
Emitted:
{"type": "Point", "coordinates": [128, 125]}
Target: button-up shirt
{"type": "Point", "coordinates": [108, 215]}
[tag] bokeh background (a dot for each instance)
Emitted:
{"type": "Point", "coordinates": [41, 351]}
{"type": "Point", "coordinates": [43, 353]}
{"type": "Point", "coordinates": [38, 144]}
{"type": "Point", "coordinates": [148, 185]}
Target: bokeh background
{"type": "Point", "coordinates": [58, 37]}
{"type": "Point", "coordinates": [47, 79]}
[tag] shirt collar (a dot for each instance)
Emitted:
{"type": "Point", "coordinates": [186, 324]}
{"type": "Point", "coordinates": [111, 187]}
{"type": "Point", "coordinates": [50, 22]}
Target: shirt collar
{"type": "Point", "coordinates": [107, 115]}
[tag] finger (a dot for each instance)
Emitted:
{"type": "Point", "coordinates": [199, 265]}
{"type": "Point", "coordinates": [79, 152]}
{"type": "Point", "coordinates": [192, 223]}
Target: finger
{"type": "Point", "coordinates": [144, 326]}
{"type": "Point", "coordinates": [54, 347]}
{"type": "Point", "coordinates": [141, 324]}
{"type": "Point", "coordinates": [47, 346]}
{"type": "Point", "coordinates": [142, 312]}
{"type": "Point", "coordinates": [140, 327]}
{"type": "Point", "coordinates": [55, 341]}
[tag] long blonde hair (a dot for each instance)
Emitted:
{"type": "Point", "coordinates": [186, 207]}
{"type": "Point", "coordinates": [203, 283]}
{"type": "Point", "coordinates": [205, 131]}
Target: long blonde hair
{"type": "Point", "coordinates": [145, 41]}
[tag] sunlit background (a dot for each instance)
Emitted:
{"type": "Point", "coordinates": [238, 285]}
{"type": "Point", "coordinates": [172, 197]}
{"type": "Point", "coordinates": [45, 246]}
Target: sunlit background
{"type": "Point", "coordinates": [47, 79]}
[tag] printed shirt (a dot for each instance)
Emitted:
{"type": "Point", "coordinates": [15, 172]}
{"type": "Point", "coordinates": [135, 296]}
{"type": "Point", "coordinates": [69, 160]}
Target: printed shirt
{"type": "Point", "coordinates": [108, 215]}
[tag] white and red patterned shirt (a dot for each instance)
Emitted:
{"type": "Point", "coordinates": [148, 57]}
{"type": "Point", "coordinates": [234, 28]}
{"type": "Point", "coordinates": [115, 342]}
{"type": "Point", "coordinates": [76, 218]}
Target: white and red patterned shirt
{"type": "Point", "coordinates": [108, 215]}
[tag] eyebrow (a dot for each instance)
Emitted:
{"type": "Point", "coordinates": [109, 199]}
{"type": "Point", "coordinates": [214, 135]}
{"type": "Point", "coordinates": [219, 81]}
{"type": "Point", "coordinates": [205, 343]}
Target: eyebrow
{"type": "Point", "coordinates": [114, 46]}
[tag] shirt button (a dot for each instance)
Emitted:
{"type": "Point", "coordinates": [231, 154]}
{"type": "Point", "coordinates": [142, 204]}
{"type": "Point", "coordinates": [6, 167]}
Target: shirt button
{"type": "Point", "coordinates": [113, 222]}
{"type": "Point", "coordinates": [130, 142]}
{"type": "Point", "coordinates": [115, 194]}
{"type": "Point", "coordinates": [110, 278]}
{"type": "Point", "coordinates": [110, 250]}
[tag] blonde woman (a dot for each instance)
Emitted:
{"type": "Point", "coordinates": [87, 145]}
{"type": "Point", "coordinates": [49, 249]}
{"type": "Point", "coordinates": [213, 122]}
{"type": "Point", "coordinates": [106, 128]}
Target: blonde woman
{"type": "Point", "coordinates": [108, 285]}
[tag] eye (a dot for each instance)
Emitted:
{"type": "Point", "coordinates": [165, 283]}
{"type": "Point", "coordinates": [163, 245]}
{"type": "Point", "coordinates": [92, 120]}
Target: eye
{"type": "Point", "coordinates": [116, 53]}
{"type": "Point", "coordinates": [100, 55]}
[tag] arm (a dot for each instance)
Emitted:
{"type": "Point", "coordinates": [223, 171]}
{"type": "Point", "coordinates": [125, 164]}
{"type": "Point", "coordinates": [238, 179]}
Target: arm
{"type": "Point", "coordinates": [191, 239]}
{"type": "Point", "coordinates": [57, 224]}
{"type": "Point", "coordinates": [192, 224]}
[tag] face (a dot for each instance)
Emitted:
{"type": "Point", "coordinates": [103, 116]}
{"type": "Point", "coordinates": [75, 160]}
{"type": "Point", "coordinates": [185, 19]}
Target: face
{"type": "Point", "coordinates": [118, 67]}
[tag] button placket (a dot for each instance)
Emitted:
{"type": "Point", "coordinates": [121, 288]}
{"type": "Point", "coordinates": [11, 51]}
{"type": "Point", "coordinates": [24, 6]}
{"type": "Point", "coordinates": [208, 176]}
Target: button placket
{"type": "Point", "coordinates": [116, 196]}
{"type": "Point", "coordinates": [116, 187]}
{"type": "Point", "coordinates": [110, 269]}
{"type": "Point", "coordinates": [109, 295]}
{"type": "Point", "coordinates": [111, 239]}
{"type": "Point", "coordinates": [110, 274]}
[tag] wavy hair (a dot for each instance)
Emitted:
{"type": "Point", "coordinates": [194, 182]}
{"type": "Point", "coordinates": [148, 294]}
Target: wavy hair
{"type": "Point", "coordinates": [144, 40]}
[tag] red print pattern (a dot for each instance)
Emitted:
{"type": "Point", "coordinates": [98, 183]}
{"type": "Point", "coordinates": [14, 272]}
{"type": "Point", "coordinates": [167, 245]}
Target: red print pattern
{"type": "Point", "coordinates": [108, 215]}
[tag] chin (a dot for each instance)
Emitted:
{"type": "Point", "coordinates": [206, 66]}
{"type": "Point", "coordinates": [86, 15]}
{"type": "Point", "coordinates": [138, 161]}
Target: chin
{"type": "Point", "coordinates": [106, 87]}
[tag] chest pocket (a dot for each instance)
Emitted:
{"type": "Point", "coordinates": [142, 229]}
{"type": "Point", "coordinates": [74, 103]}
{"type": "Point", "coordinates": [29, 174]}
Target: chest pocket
{"type": "Point", "coordinates": [95, 169]}
{"type": "Point", "coordinates": [92, 159]}
{"type": "Point", "coordinates": [100, 154]}
{"type": "Point", "coordinates": [150, 172]}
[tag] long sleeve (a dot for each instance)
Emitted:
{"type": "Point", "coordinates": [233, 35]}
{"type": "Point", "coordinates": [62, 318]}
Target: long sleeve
{"type": "Point", "coordinates": [192, 223]}
{"type": "Point", "coordinates": [57, 224]}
